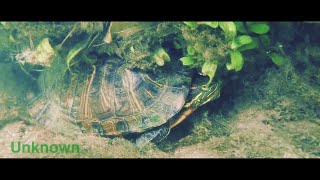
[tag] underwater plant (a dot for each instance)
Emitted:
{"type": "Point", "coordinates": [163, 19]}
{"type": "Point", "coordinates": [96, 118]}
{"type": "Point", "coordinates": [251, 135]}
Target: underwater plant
{"type": "Point", "coordinates": [209, 47]}
{"type": "Point", "coordinates": [238, 37]}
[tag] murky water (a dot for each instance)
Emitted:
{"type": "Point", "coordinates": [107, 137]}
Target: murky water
{"type": "Point", "coordinates": [136, 89]}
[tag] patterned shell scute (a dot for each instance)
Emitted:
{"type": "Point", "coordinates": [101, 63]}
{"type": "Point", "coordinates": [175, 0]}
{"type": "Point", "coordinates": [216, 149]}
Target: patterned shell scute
{"type": "Point", "coordinates": [124, 101]}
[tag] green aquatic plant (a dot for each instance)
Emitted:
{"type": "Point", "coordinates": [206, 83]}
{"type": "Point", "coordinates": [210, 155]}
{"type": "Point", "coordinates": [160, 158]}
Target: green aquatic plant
{"type": "Point", "coordinates": [209, 68]}
{"type": "Point", "coordinates": [239, 37]}
{"type": "Point", "coordinates": [161, 56]}
{"type": "Point", "coordinates": [213, 24]}
{"type": "Point", "coordinates": [201, 54]}
{"type": "Point", "coordinates": [211, 47]}
{"type": "Point", "coordinates": [75, 51]}
{"type": "Point", "coordinates": [258, 32]}
{"type": "Point", "coordinates": [229, 29]}
{"type": "Point", "coordinates": [241, 41]}
{"type": "Point", "coordinates": [250, 34]}
{"type": "Point", "coordinates": [192, 25]}
{"type": "Point", "coordinates": [277, 59]}
{"type": "Point", "coordinates": [236, 61]}
{"type": "Point", "coordinates": [258, 28]}
{"type": "Point", "coordinates": [44, 52]}
{"type": "Point", "coordinates": [187, 61]}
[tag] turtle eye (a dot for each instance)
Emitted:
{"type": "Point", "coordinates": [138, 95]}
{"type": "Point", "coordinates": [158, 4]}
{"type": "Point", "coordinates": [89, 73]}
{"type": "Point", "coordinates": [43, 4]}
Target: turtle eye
{"type": "Point", "coordinates": [205, 87]}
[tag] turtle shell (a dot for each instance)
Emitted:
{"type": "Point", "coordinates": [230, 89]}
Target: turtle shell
{"type": "Point", "coordinates": [122, 101]}
{"type": "Point", "coordinates": [116, 100]}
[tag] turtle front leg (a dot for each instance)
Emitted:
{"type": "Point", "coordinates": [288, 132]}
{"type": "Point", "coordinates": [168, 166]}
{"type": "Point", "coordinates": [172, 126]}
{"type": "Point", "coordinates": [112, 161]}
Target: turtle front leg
{"type": "Point", "coordinates": [182, 117]}
{"type": "Point", "coordinates": [161, 132]}
{"type": "Point", "coordinates": [154, 135]}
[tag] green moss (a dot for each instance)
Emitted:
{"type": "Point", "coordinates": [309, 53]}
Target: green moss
{"type": "Point", "coordinates": [303, 135]}
{"type": "Point", "coordinates": [137, 50]}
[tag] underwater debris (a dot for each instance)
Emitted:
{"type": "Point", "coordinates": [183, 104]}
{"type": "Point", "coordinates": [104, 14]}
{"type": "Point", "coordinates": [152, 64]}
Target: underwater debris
{"type": "Point", "coordinates": [43, 55]}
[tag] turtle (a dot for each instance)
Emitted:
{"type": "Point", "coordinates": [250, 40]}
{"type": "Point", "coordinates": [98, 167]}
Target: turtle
{"type": "Point", "coordinates": [117, 101]}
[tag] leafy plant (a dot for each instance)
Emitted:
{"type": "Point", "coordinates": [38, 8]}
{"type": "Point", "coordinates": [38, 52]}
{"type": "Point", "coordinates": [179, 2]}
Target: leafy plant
{"type": "Point", "coordinates": [236, 61]}
{"type": "Point", "coordinates": [240, 41]}
{"type": "Point", "coordinates": [252, 45]}
{"type": "Point", "coordinates": [209, 68]}
{"type": "Point", "coordinates": [277, 59]}
{"type": "Point", "coordinates": [213, 24]}
{"type": "Point", "coordinates": [161, 56]}
{"type": "Point", "coordinates": [187, 61]}
{"type": "Point", "coordinates": [240, 36]}
{"type": "Point", "coordinates": [229, 29]}
{"type": "Point", "coordinates": [259, 28]}
{"type": "Point", "coordinates": [44, 52]}
{"type": "Point", "coordinates": [190, 50]}
{"type": "Point", "coordinates": [75, 51]}
{"type": "Point", "coordinates": [192, 25]}
{"type": "Point", "coordinates": [206, 45]}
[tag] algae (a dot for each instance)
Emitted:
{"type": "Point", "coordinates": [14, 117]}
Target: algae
{"type": "Point", "coordinates": [264, 111]}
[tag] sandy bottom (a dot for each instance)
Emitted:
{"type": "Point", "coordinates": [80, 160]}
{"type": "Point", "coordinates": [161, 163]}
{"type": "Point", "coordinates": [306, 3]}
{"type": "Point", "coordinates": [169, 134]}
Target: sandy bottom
{"type": "Point", "coordinates": [250, 137]}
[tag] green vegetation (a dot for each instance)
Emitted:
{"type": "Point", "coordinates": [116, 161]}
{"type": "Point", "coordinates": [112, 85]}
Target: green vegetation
{"type": "Point", "coordinates": [238, 37]}
{"type": "Point", "coordinates": [208, 47]}
{"type": "Point", "coordinates": [269, 106]}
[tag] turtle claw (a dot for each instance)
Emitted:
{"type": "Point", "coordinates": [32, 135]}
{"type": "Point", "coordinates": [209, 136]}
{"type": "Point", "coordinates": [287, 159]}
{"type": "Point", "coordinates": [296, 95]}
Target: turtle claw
{"type": "Point", "coordinates": [155, 135]}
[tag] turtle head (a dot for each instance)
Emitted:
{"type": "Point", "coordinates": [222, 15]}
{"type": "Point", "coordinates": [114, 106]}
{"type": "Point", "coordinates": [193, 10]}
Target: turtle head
{"type": "Point", "coordinates": [203, 95]}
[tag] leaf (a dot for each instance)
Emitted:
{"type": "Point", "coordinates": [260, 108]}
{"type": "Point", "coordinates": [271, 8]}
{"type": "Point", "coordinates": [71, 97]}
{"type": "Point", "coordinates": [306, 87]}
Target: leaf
{"type": "Point", "coordinates": [240, 41]}
{"type": "Point", "coordinates": [265, 39]}
{"type": "Point", "coordinates": [88, 60]}
{"type": "Point", "coordinates": [199, 47]}
{"type": "Point", "coordinates": [199, 58]}
{"type": "Point", "coordinates": [240, 27]}
{"type": "Point", "coordinates": [187, 61]}
{"type": "Point", "coordinates": [259, 28]}
{"type": "Point", "coordinates": [209, 68]}
{"type": "Point", "coordinates": [236, 61]}
{"type": "Point", "coordinates": [45, 46]}
{"type": "Point", "coordinates": [108, 38]}
{"type": "Point", "coordinates": [160, 52]}
{"type": "Point", "coordinates": [11, 38]}
{"type": "Point", "coordinates": [161, 56]}
{"type": "Point", "coordinates": [176, 45]}
{"type": "Point", "coordinates": [4, 25]}
{"type": "Point", "coordinates": [229, 29]}
{"type": "Point", "coordinates": [132, 49]}
{"type": "Point", "coordinates": [190, 50]}
{"type": "Point", "coordinates": [159, 61]}
{"type": "Point", "coordinates": [75, 51]}
{"type": "Point", "coordinates": [213, 24]}
{"type": "Point", "coordinates": [192, 25]}
{"type": "Point", "coordinates": [44, 53]}
{"type": "Point", "coordinates": [277, 59]}
{"type": "Point", "coordinates": [254, 44]}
